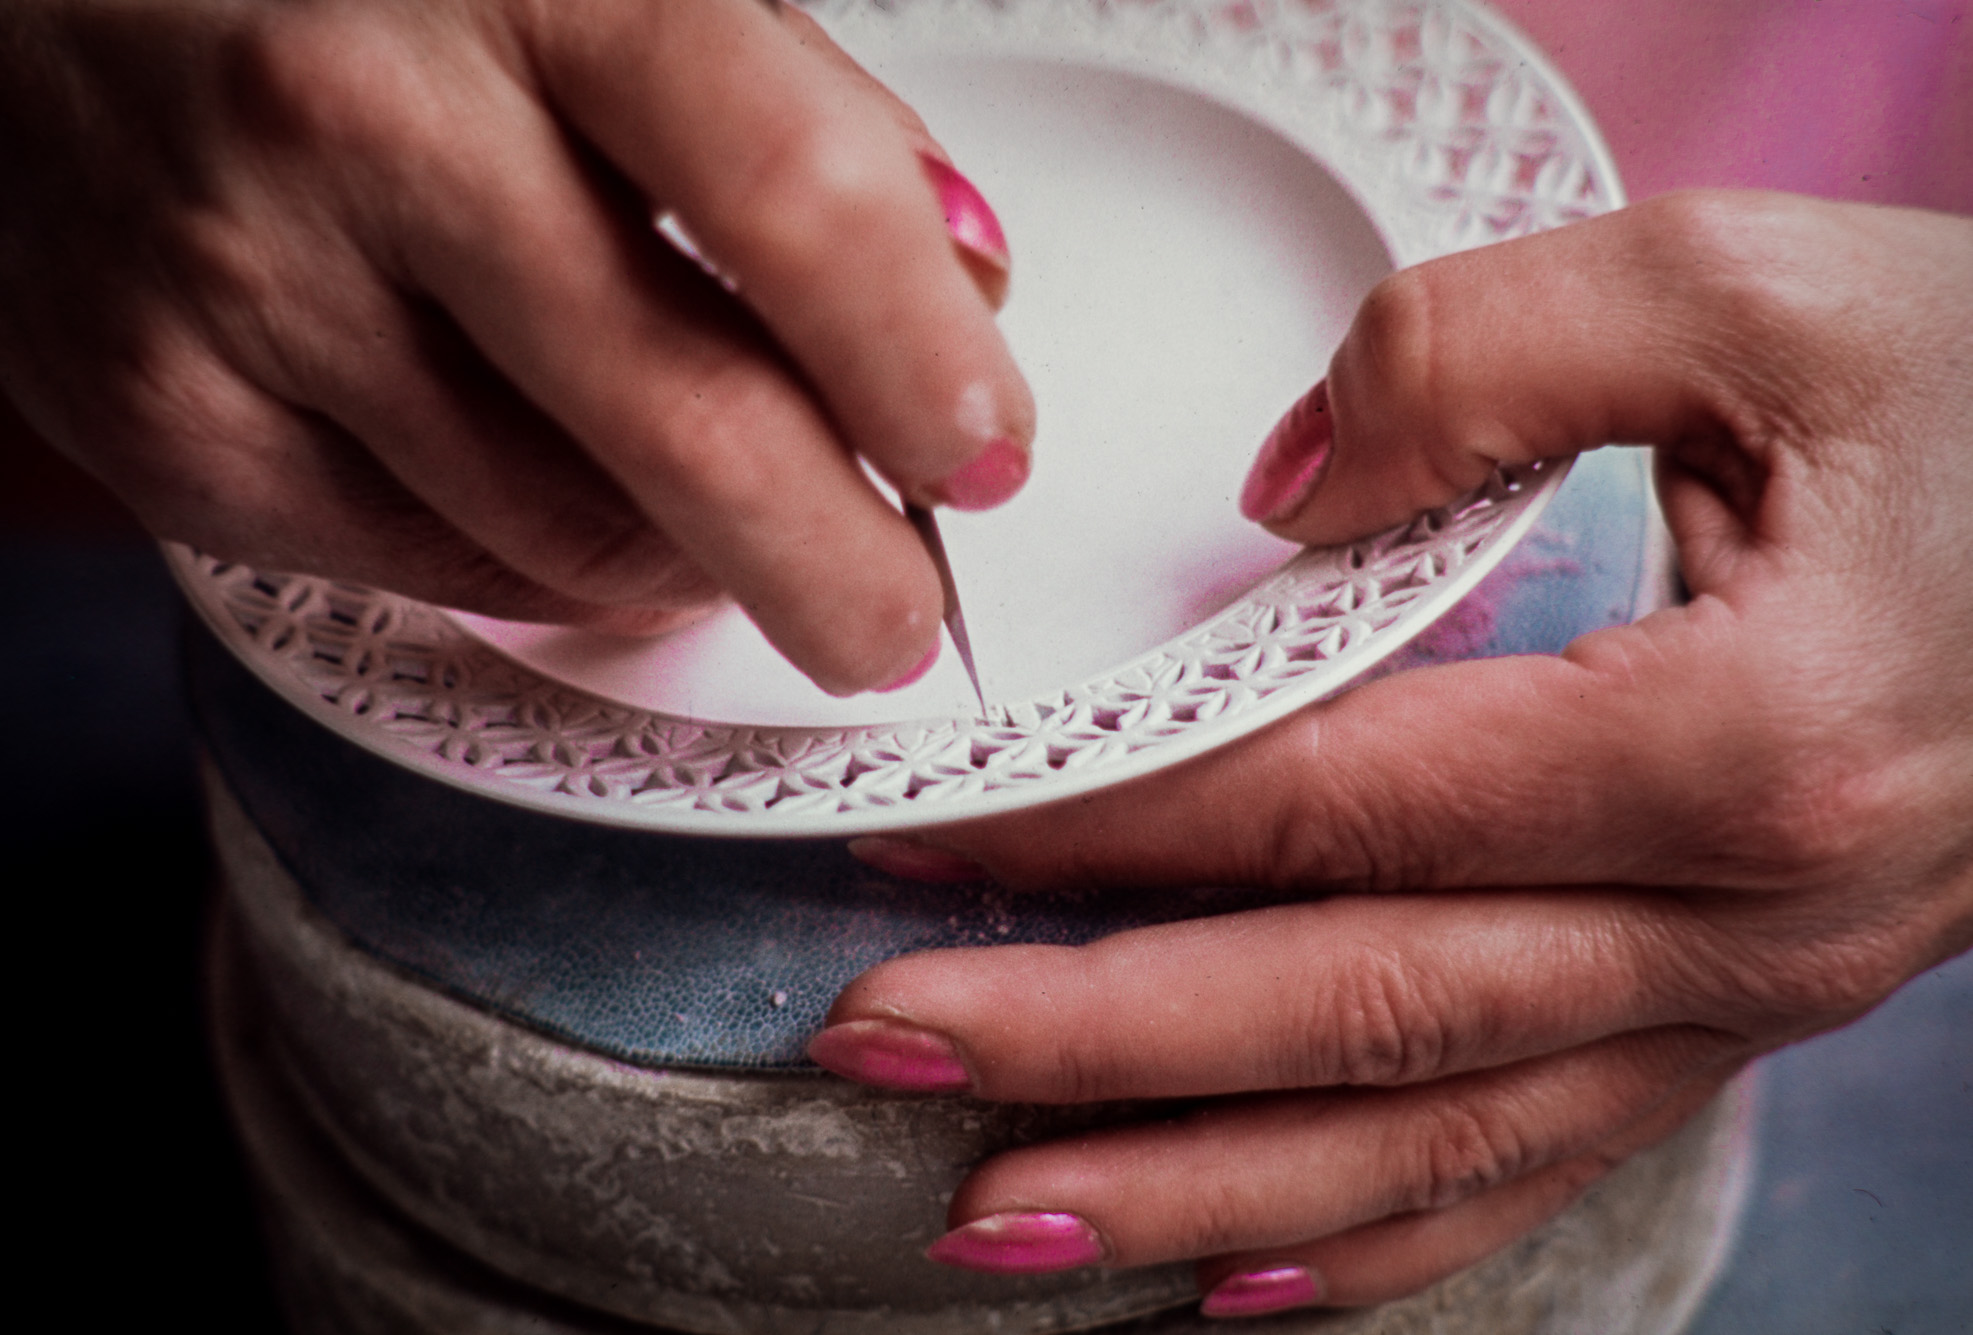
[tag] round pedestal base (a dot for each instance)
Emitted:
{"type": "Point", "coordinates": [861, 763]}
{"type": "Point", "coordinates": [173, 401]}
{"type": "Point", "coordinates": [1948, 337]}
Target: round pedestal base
{"type": "Point", "coordinates": [427, 1166]}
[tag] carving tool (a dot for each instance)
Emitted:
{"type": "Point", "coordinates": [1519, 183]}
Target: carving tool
{"type": "Point", "coordinates": [927, 525]}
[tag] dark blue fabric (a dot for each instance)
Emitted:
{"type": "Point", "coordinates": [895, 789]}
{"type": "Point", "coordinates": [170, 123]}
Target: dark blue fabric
{"type": "Point", "coordinates": [665, 950]}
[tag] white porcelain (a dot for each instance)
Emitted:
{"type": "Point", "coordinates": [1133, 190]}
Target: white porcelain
{"type": "Point", "coordinates": [1196, 195]}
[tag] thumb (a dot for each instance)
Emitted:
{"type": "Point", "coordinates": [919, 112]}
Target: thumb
{"type": "Point", "coordinates": [1608, 330]}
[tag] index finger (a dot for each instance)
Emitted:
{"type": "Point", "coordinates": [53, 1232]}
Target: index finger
{"type": "Point", "coordinates": [1351, 991]}
{"type": "Point", "coordinates": [812, 195]}
{"type": "Point", "coordinates": [1587, 768]}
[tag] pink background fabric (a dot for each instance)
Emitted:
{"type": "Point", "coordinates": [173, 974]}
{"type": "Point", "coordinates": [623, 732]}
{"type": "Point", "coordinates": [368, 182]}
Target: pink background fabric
{"type": "Point", "coordinates": [1866, 100]}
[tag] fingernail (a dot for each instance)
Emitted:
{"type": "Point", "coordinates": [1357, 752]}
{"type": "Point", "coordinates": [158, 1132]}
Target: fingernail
{"type": "Point", "coordinates": [1020, 1243]}
{"type": "Point", "coordinates": [1259, 1292]}
{"type": "Point", "coordinates": [993, 476]}
{"type": "Point", "coordinates": [1291, 460]}
{"type": "Point", "coordinates": [968, 217]}
{"type": "Point", "coordinates": [910, 861]}
{"type": "Point", "coordinates": [891, 1054]}
{"type": "Point", "coordinates": [924, 666]}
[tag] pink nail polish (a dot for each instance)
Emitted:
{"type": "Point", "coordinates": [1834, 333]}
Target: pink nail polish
{"type": "Point", "coordinates": [1291, 460]}
{"type": "Point", "coordinates": [917, 673]}
{"type": "Point", "coordinates": [1259, 1292]}
{"type": "Point", "coordinates": [993, 476]}
{"type": "Point", "coordinates": [968, 217]}
{"type": "Point", "coordinates": [910, 861]}
{"type": "Point", "coordinates": [1020, 1243]}
{"type": "Point", "coordinates": [891, 1054]}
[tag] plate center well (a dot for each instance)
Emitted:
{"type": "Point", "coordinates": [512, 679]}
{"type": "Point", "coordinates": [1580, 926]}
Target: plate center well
{"type": "Point", "coordinates": [1181, 274]}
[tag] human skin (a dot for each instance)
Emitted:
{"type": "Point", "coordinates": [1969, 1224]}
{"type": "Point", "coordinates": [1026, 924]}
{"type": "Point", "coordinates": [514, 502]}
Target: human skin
{"type": "Point", "coordinates": [549, 451]}
{"type": "Point", "coordinates": [369, 288]}
{"type": "Point", "coordinates": [1552, 902]}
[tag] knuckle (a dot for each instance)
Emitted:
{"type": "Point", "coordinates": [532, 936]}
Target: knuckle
{"type": "Point", "coordinates": [283, 70]}
{"type": "Point", "coordinates": [254, 298]}
{"type": "Point", "coordinates": [165, 392]}
{"type": "Point", "coordinates": [1356, 832]}
{"type": "Point", "coordinates": [227, 261]}
{"type": "Point", "coordinates": [1735, 257]}
{"type": "Point", "coordinates": [817, 181]}
{"type": "Point", "coordinates": [1841, 979]}
{"type": "Point", "coordinates": [1370, 833]}
{"type": "Point", "coordinates": [1464, 1150]}
{"type": "Point", "coordinates": [1692, 223]}
{"type": "Point", "coordinates": [1575, 1176]}
{"type": "Point", "coordinates": [707, 440]}
{"type": "Point", "coordinates": [1717, 235]}
{"type": "Point", "coordinates": [1298, 835]}
{"type": "Point", "coordinates": [1806, 986]}
{"type": "Point", "coordinates": [1218, 1217]}
{"type": "Point", "coordinates": [1021, 1018]}
{"type": "Point", "coordinates": [1065, 1019]}
{"type": "Point", "coordinates": [1391, 341]}
{"type": "Point", "coordinates": [1811, 825]}
{"type": "Point", "coordinates": [1383, 1028]}
{"type": "Point", "coordinates": [1078, 1075]}
{"type": "Point", "coordinates": [1819, 811]}
{"type": "Point", "coordinates": [329, 80]}
{"type": "Point", "coordinates": [1400, 369]}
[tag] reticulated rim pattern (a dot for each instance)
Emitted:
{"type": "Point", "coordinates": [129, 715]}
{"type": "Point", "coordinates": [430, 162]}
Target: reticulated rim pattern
{"type": "Point", "coordinates": [1442, 122]}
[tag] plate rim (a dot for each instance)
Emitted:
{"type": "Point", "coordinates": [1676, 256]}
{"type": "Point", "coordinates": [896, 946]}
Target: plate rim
{"type": "Point", "coordinates": [1509, 505]}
